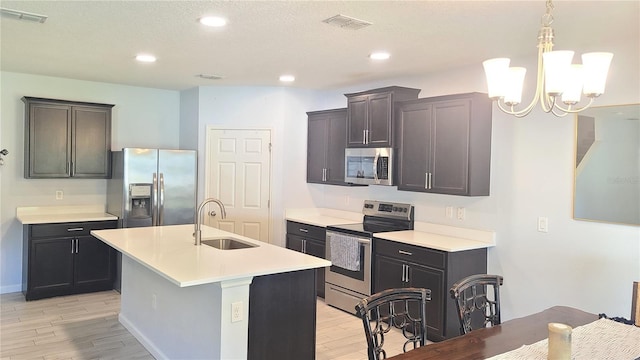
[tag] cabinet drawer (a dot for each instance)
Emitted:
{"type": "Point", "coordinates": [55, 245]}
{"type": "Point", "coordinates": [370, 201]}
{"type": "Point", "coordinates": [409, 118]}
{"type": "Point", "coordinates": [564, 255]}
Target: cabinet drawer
{"type": "Point", "coordinates": [416, 254]}
{"type": "Point", "coordinates": [70, 229]}
{"type": "Point", "coordinates": [305, 230]}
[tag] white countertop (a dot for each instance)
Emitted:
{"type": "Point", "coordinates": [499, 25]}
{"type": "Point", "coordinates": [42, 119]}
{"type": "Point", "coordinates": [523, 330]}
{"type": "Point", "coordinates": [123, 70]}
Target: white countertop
{"type": "Point", "coordinates": [433, 241]}
{"type": "Point", "coordinates": [62, 214]}
{"type": "Point", "coordinates": [169, 251]}
{"type": "Point", "coordinates": [322, 217]}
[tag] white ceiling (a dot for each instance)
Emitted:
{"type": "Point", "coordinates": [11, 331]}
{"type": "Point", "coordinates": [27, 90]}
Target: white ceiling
{"type": "Point", "coordinates": [97, 40]}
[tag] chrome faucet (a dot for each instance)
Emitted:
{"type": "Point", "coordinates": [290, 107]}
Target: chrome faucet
{"type": "Point", "coordinates": [198, 223]}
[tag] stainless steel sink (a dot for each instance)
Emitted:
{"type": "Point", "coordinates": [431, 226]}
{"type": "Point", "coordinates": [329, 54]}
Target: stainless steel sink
{"type": "Point", "coordinates": [228, 244]}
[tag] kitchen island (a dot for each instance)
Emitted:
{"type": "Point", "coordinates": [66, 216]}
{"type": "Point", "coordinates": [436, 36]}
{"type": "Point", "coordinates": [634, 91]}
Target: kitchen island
{"type": "Point", "coordinates": [177, 298]}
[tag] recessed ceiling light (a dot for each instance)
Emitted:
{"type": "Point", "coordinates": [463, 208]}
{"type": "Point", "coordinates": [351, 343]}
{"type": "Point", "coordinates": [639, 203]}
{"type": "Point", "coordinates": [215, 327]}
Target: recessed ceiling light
{"type": "Point", "coordinates": [379, 55]}
{"type": "Point", "coordinates": [146, 58]}
{"type": "Point", "coordinates": [287, 78]}
{"type": "Point", "coordinates": [213, 21]}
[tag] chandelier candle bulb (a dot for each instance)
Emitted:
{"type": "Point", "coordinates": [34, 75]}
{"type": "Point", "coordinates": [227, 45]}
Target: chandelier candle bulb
{"type": "Point", "coordinates": [559, 342]}
{"type": "Point", "coordinates": [596, 67]}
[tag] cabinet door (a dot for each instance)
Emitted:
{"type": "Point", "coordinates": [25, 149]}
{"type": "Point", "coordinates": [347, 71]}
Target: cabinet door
{"type": "Point", "coordinates": [336, 143]}
{"type": "Point", "coordinates": [47, 141]}
{"type": "Point", "coordinates": [91, 142]}
{"type": "Point", "coordinates": [379, 125]}
{"type": "Point", "coordinates": [294, 242]}
{"type": "Point", "coordinates": [357, 118]}
{"type": "Point", "coordinates": [388, 274]}
{"type": "Point", "coordinates": [94, 262]}
{"type": "Point", "coordinates": [432, 279]}
{"type": "Point", "coordinates": [316, 147]}
{"type": "Point", "coordinates": [450, 147]}
{"type": "Point", "coordinates": [414, 128]}
{"type": "Point", "coordinates": [51, 267]}
{"type": "Point", "coordinates": [317, 249]}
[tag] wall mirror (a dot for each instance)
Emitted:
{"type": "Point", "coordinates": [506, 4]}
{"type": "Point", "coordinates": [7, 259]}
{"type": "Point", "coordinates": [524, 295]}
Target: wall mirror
{"type": "Point", "coordinates": [607, 165]}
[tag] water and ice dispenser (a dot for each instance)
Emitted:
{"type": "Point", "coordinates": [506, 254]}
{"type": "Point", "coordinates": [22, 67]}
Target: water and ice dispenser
{"type": "Point", "coordinates": [141, 201]}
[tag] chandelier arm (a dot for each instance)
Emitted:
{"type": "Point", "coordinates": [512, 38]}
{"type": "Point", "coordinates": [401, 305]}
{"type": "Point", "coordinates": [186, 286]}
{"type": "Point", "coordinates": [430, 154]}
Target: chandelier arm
{"type": "Point", "coordinates": [521, 113]}
{"type": "Point", "coordinates": [574, 110]}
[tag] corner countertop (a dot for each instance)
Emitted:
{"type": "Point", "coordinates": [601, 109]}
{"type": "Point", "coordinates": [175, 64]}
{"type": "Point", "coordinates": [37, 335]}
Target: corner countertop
{"type": "Point", "coordinates": [169, 251]}
{"type": "Point", "coordinates": [62, 214]}
{"type": "Point", "coordinates": [442, 237]}
{"type": "Point", "coordinates": [322, 217]}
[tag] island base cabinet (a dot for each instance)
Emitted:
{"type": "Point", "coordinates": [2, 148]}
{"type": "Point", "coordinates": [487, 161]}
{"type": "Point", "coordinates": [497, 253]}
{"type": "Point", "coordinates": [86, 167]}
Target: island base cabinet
{"type": "Point", "coordinates": [282, 316]}
{"type": "Point", "coordinates": [63, 259]}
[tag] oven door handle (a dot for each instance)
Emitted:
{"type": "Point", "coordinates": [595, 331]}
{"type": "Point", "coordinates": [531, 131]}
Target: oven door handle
{"type": "Point", "coordinates": [364, 241]}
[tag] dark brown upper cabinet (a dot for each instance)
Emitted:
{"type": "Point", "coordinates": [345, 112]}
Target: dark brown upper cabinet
{"type": "Point", "coordinates": [370, 115]}
{"type": "Point", "coordinates": [326, 141]}
{"type": "Point", "coordinates": [66, 139]}
{"type": "Point", "coordinates": [444, 144]}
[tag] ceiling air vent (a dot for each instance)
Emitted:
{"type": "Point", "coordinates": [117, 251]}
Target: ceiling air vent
{"type": "Point", "coordinates": [209, 76]}
{"type": "Point", "coordinates": [346, 22]}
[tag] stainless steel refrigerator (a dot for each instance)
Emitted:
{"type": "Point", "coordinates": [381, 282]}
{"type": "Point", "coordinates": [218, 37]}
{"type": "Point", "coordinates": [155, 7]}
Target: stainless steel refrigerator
{"type": "Point", "coordinates": [152, 187]}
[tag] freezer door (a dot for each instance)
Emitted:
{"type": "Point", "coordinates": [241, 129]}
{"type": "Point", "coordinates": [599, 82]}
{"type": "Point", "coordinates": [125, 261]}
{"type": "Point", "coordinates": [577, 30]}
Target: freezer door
{"type": "Point", "coordinates": [140, 165]}
{"type": "Point", "coordinates": [177, 177]}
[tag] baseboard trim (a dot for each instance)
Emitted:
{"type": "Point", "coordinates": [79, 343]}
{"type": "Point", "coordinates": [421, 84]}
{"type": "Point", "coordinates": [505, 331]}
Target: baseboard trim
{"type": "Point", "coordinates": [10, 289]}
{"type": "Point", "coordinates": [148, 344]}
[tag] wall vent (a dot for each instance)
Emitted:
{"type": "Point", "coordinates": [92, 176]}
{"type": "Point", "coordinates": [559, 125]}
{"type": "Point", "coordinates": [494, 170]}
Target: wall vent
{"type": "Point", "coordinates": [346, 22]}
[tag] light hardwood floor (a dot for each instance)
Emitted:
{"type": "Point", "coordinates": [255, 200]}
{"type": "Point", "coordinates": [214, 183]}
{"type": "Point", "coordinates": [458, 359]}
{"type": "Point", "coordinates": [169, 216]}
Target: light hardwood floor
{"type": "Point", "coordinates": [86, 327]}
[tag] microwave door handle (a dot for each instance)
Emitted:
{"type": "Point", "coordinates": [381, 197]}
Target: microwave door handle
{"type": "Point", "coordinates": [375, 166]}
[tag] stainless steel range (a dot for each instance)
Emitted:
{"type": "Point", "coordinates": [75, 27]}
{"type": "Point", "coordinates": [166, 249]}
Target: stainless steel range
{"type": "Point", "coordinates": [348, 280]}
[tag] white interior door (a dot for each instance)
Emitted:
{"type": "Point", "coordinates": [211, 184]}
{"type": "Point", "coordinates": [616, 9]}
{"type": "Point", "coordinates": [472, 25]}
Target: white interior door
{"type": "Point", "coordinates": [238, 172]}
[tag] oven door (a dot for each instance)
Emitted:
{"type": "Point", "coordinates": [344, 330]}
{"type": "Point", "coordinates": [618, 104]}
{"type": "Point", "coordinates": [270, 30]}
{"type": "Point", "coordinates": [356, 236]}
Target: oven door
{"type": "Point", "coordinates": [355, 280]}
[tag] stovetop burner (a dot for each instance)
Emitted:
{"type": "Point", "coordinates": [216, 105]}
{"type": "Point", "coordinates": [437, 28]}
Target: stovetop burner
{"type": "Point", "coordinates": [380, 217]}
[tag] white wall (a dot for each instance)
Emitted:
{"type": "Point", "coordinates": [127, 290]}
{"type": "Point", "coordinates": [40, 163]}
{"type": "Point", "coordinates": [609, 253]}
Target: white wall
{"type": "Point", "coordinates": [142, 117]}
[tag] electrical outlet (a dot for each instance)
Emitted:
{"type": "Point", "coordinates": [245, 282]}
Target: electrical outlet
{"type": "Point", "coordinates": [59, 194]}
{"type": "Point", "coordinates": [543, 224]}
{"type": "Point", "coordinates": [461, 213]}
{"type": "Point", "coordinates": [449, 212]}
{"type": "Point", "coordinates": [154, 301]}
{"type": "Point", "coordinates": [236, 311]}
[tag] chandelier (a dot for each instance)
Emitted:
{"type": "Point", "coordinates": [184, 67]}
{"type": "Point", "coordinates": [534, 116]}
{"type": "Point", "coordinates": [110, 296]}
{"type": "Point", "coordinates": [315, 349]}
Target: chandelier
{"type": "Point", "coordinates": [559, 84]}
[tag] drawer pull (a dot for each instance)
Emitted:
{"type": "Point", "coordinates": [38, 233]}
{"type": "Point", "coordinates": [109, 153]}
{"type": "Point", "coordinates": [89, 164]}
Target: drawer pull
{"type": "Point", "coordinates": [405, 252]}
{"type": "Point", "coordinates": [304, 230]}
{"type": "Point", "coordinates": [75, 229]}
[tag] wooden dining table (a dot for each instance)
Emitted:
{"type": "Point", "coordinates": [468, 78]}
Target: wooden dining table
{"type": "Point", "coordinates": [510, 335]}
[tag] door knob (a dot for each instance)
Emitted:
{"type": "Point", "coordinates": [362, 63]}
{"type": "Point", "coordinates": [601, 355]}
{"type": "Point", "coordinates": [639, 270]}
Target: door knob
{"type": "Point", "coordinates": [212, 213]}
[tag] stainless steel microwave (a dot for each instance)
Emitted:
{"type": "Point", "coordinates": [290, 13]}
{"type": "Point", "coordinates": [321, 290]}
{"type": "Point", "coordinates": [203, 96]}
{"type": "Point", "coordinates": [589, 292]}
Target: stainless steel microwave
{"type": "Point", "coordinates": [368, 166]}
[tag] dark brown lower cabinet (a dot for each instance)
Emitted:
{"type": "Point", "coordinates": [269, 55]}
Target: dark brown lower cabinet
{"type": "Point", "coordinates": [282, 316]}
{"type": "Point", "coordinates": [63, 259]}
{"type": "Point", "coordinates": [308, 239]}
{"type": "Point", "coordinates": [399, 265]}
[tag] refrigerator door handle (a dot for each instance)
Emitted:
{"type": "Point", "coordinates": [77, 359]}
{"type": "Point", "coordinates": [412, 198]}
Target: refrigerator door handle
{"type": "Point", "coordinates": [161, 203]}
{"type": "Point", "coordinates": [154, 204]}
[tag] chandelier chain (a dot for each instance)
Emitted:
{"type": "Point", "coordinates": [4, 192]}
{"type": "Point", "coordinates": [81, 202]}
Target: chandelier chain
{"type": "Point", "coordinates": [547, 18]}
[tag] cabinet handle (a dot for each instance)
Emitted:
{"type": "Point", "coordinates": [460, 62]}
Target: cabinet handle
{"type": "Point", "coordinates": [406, 278]}
{"type": "Point", "coordinates": [404, 252]}
{"type": "Point", "coordinates": [77, 242]}
{"type": "Point", "coordinates": [324, 174]}
{"type": "Point", "coordinates": [72, 245]}
{"type": "Point", "coordinates": [75, 229]}
{"type": "Point", "coordinates": [303, 230]}
{"type": "Point", "coordinates": [367, 136]}
{"type": "Point", "coordinates": [73, 170]}
{"type": "Point", "coordinates": [430, 176]}
{"type": "Point", "coordinates": [304, 246]}
{"type": "Point", "coordinates": [364, 137]}
{"type": "Point", "coordinates": [426, 180]}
